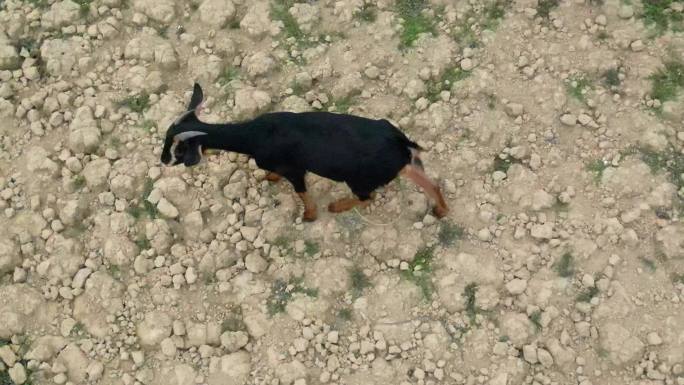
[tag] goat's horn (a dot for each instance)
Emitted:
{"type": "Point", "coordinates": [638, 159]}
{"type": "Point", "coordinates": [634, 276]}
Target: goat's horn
{"type": "Point", "coordinates": [187, 135]}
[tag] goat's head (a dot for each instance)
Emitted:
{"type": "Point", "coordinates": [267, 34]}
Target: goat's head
{"type": "Point", "coordinates": [183, 142]}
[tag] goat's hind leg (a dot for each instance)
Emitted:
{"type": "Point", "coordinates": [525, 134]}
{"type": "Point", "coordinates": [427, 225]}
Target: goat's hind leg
{"type": "Point", "coordinates": [273, 177]}
{"type": "Point", "coordinates": [345, 204]}
{"type": "Point", "coordinates": [430, 188]}
{"type": "Point", "coordinates": [299, 184]}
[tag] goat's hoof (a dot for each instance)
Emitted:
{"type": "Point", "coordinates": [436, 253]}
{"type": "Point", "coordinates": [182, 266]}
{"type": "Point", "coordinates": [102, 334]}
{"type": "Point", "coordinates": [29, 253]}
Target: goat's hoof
{"type": "Point", "coordinates": [309, 217]}
{"type": "Point", "coordinates": [273, 177]}
{"type": "Point", "coordinates": [440, 212]}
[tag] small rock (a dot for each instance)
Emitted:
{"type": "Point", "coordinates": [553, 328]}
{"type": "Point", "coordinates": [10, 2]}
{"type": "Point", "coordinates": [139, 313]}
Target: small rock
{"type": "Point", "coordinates": [17, 373]}
{"type": "Point", "coordinates": [234, 341]}
{"type": "Point", "coordinates": [654, 339]}
{"type": "Point", "coordinates": [530, 353]}
{"type": "Point", "coordinates": [516, 286]}
{"type": "Point", "coordinates": [637, 45]}
{"type": "Point", "coordinates": [545, 357]}
{"type": "Point", "coordinates": [514, 109]}
{"type": "Point", "coordinates": [568, 119]}
{"type": "Point", "coordinates": [626, 11]}
{"type": "Point", "coordinates": [167, 209]}
{"type": "Point", "coordinates": [467, 64]}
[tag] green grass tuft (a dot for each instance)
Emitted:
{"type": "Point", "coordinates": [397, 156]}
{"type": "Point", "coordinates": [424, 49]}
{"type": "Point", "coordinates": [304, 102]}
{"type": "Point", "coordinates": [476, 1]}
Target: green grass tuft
{"type": "Point", "coordinates": [450, 77]}
{"type": "Point", "coordinates": [676, 279]}
{"type": "Point", "coordinates": [147, 125]}
{"type": "Point", "coordinates": [611, 78]}
{"type": "Point", "coordinates": [84, 6]}
{"type": "Point", "coordinates": [493, 13]}
{"type": "Point", "coordinates": [420, 269]}
{"type": "Point", "coordinates": [311, 248]}
{"type": "Point", "coordinates": [228, 74]}
{"type": "Point", "coordinates": [449, 233]}
{"type": "Point", "coordinates": [359, 282]}
{"type": "Point", "coordinates": [544, 7]}
{"type": "Point", "coordinates": [367, 13]}
{"type": "Point", "coordinates": [343, 105]}
{"type": "Point", "coordinates": [577, 86]}
{"type": "Point", "coordinates": [280, 11]}
{"type": "Point", "coordinates": [416, 22]}
{"type": "Point", "coordinates": [145, 207]}
{"type": "Point", "coordinates": [136, 103]}
{"type": "Point", "coordinates": [79, 182]}
{"type": "Point", "coordinates": [471, 308]}
{"type": "Point", "coordinates": [667, 81]}
{"type": "Point", "coordinates": [282, 292]}
{"type": "Point", "coordinates": [503, 164]}
{"type": "Point", "coordinates": [345, 314]}
{"type": "Point", "coordinates": [658, 15]}
{"type": "Point", "coordinates": [588, 294]}
{"type": "Point", "coordinates": [649, 264]}
{"type": "Point", "coordinates": [535, 318]}
{"type": "Point", "coordinates": [597, 166]}
{"type": "Point", "coordinates": [565, 266]}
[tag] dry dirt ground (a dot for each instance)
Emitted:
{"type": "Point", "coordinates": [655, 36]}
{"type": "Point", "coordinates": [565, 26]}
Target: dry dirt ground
{"type": "Point", "coordinates": [555, 128]}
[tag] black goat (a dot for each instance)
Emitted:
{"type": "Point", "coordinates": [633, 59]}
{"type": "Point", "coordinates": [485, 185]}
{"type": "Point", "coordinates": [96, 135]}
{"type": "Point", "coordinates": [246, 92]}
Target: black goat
{"type": "Point", "coordinates": [363, 153]}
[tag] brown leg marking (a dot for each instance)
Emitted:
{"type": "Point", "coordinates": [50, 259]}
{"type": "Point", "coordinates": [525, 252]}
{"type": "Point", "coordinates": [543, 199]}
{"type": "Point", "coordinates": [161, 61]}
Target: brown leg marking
{"type": "Point", "coordinates": [429, 187]}
{"type": "Point", "coordinates": [273, 177]}
{"type": "Point", "coordinates": [345, 204]}
{"type": "Point", "coordinates": [310, 211]}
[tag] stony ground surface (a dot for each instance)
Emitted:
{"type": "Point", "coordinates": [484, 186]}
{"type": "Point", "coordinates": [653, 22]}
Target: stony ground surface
{"type": "Point", "coordinates": [555, 128]}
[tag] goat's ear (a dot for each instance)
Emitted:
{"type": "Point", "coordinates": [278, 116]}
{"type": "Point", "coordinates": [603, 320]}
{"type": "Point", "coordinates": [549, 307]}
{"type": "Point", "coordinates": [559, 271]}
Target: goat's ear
{"type": "Point", "coordinates": [185, 135]}
{"type": "Point", "coordinates": [193, 154]}
{"type": "Point", "coordinates": [197, 97]}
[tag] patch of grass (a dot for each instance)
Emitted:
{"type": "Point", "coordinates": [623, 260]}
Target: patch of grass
{"type": "Point", "coordinates": [311, 248]}
{"type": "Point", "coordinates": [84, 6]}
{"type": "Point", "coordinates": [367, 13]}
{"type": "Point", "coordinates": [597, 166]}
{"type": "Point", "coordinates": [450, 77]}
{"type": "Point", "coordinates": [5, 378]}
{"type": "Point", "coordinates": [648, 264]}
{"type": "Point", "coordinates": [449, 233]}
{"type": "Point", "coordinates": [284, 243]}
{"type": "Point", "coordinates": [136, 103]}
{"type": "Point", "coordinates": [471, 308]}
{"type": "Point", "coordinates": [228, 74]}
{"type": "Point", "coordinates": [504, 338]}
{"type": "Point", "coordinates": [667, 81]}
{"type": "Point", "coordinates": [4, 342]}
{"type": "Point", "coordinates": [670, 160]}
{"type": "Point", "coordinates": [676, 279]}
{"type": "Point", "coordinates": [79, 182]}
{"type": "Point", "coordinates": [145, 207]}
{"type": "Point", "coordinates": [577, 86]}
{"type": "Point", "coordinates": [147, 125]}
{"type": "Point", "coordinates": [565, 266]}
{"type": "Point", "coordinates": [78, 330]}
{"type": "Point", "coordinates": [114, 271]}
{"type": "Point", "coordinates": [143, 243]}
{"type": "Point", "coordinates": [611, 78]}
{"type": "Point", "coordinates": [544, 7]}
{"type": "Point", "coordinates": [419, 271]}
{"type": "Point", "coordinates": [491, 101]}
{"type": "Point", "coordinates": [535, 318]}
{"type": "Point", "coordinates": [282, 292]}
{"type": "Point", "coordinates": [602, 35]}
{"type": "Point", "coordinates": [345, 314]}
{"type": "Point", "coordinates": [658, 15]}
{"type": "Point", "coordinates": [291, 30]}
{"type": "Point", "coordinates": [415, 23]}
{"type": "Point", "coordinates": [359, 282]}
{"type": "Point", "coordinates": [503, 164]}
{"type": "Point", "coordinates": [588, 294]}
{"type": "Point", "coordinates": [343, 105]}
{"type": "Point", "coordinates": [233, 323]}
{"type": "Point", "coordinates": [37, 3]}
{"type": "Point", "coordinates": [493, 13]}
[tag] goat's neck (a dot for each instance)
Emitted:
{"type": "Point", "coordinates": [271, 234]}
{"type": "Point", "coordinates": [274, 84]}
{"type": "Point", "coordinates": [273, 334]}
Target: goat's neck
{"type": "Point", "coordinates": [239, 137]}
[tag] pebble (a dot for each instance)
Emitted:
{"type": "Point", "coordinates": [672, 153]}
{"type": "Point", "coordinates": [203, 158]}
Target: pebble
{"type": "Point", "coordinates": [516, 286]}
{"type": "Point", "coordinates": [654, 339]}
{"type": "Point", "coordinates": [637, 45]}
{"type": "Point", "coordinates": [467, 64]}
{"type": "Point", "coordinates": [626, 11]}
{"type": "Point", "coordinates": [568, 119]}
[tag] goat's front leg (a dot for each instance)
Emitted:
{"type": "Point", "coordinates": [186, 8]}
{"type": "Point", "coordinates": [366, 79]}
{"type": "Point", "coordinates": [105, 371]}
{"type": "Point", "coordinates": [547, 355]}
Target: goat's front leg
{"type": "Point", "coordinates": [346, 204]}
{"type": "Point", "coordinates": [273, 177]}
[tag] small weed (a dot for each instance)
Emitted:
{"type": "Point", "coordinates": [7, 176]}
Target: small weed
{"type": "Point", "coordinates": [280, 12]}
{"type": "Point", "coordinates": [491, 101]}
{"type": "Point", "coordinates": [76, 230]}
{"type": "Point", "coordinates": [659, 15]}
{"type": "Point", "coordinates": [84, 6]}
{"type": "Point", "coordinates": [79, 182]}
{"type": "Point", "coordinates": [577, 86]}
{"type": "Point", "coordinates": [148, 125]}
{"type": "Point", "coordinates": [343, 105]}
{"type": "Point", "coordinates": [670, 160]}
{"type": "Point", "coordinates": [503, 164]}
{"type": "Point", "coordinates": [5, 378]}
{"type": "Point", "coordinates": [38, 3]}
{"type": "Point", "coordinates": [667, 81]}
{"type": "Point", "coordinates": [416, 22]}
{"type": "Point", "coordinates": [611, 78]}
{"type": "Point", "coordinates": [233, 323]}
{"type": "Point", "coordinates": [367, 13]}
{"type": "Point", "coordinates": [676, 279]}
{"type": "Point", "coordinates": [471, 308]}
{"type": "Point", "coordinates": [449, 233]}
{"type": "Point", "coordinates": [137, 103]}
{"type": "Point", "coordinates": [282, 292]}
{"type": "Point", "coordinates": [345, 314]}
{"type": "Point", "coordinates": [602, 35]}
{"type": "Point", "coordinates": [234, 24]}
{"type": "Point", "coordinates": [145, 207]}
{"type": "Point", "coordinates": [535, 318]}
{"type": "Point", "coordinates": [649, 264]}
{"type": "Point", "coordinates": [4, 342]}
{"type": "Point", "coordinates": [450, 77]}
{"type": "Point", "coordinates": [311, 248]}
{"type": "Point", "coordinates": [565, 266]}
{"type": "Point", "coordinates": [359, 282]}
{"type": "Point", "coordinates": [544, 7]}
{"type": "Point", "coordinates": [504, 338]}
{"type": "Point", "coordinates": [588, 294]}
{"type": "Point", "coordinates": [114, 271]}
{"type": "Point", "coordinates": [603, 353]}
{"type": "Point", "coordinates": [493, 13]}
{"type": "Point", "coordinates": [228, 74]}
{"type": "Point", "coordinates": [419, 271]}
{"type": "Point", "coordinates": [143, 243]}
{"type": "Point", "coordinates": [284, 243]}
{"type": "Point", "coordinates": [78, 330]}
{"type": "Point", "coordinates": [597, 167]}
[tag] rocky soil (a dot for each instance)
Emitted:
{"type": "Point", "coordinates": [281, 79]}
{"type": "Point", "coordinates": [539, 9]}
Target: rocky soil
{"type": "Point", "coordinates": [555, 128]}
